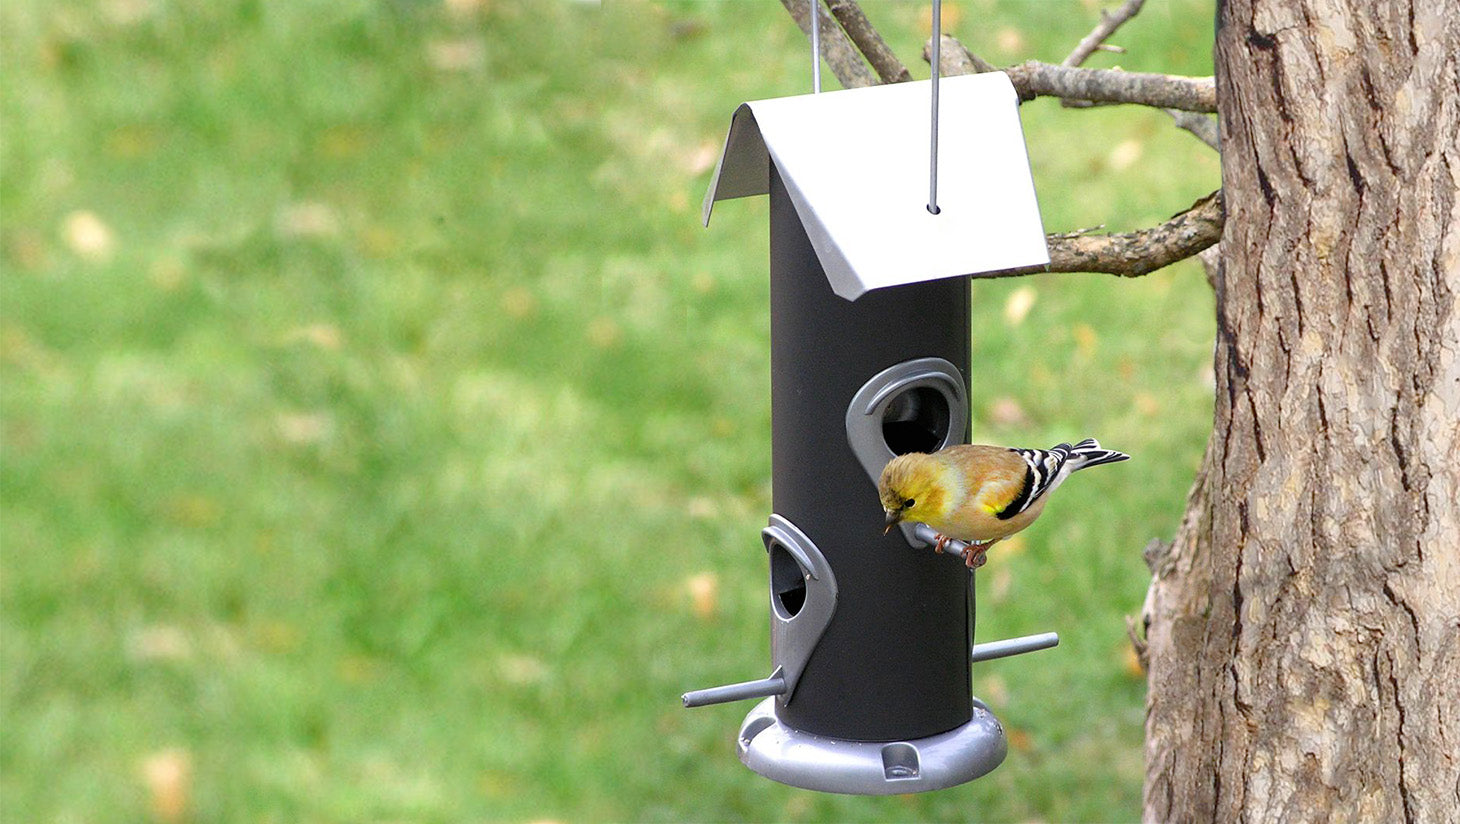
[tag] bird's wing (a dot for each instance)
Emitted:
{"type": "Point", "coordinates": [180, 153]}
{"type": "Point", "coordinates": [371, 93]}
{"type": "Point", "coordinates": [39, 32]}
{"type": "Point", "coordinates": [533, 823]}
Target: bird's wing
{"type": "Point", "coordinates": [1048, 467]}
{"type": "Point", "coordinates": [1043, 473]}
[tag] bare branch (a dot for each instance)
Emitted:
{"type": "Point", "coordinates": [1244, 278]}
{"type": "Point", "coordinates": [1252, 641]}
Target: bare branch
{"type": "Point", "coordinates": [1108, 24]}
{"type": "Point", "coordinates": [955, 58]}
{"type": "Point", "coordinates": [1205, 128]}
{"type": "Point", "coordinates": [1133, 254]}
{"type": "Point", "coordinates": [1096, 39]}
{"type": "Point", "coordinates": [1166, 91]}
{"type": "Point", "coordinates": [836, 49]}
{"type": "Point", "coordinates": [1034, 79]}
{"type": "Point", "coordinates": [871, 44]}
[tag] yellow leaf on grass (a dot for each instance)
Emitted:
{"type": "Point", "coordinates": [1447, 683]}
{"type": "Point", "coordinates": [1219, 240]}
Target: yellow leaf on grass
{"type": "Point", "coordinates": [1003, 579]}
{"type": "Point", "coordinates": [168, 778]}
{"type": "Point", "coordinates": [89, 236]}
{"type": "Point", "coordinates": [1019, 740]}
{"type": "Point", "coordinates": [702, 159]}
{"type": "Point", "coordinates": [460, 55]}
{"type": "Point", "coordinates": [1009, 41]}
{"type": "Point", "coordinates": [993, 690]}
{"type": "Point", "coordinates": [304, 428]}
{"type": "Point", "coordinates": [1018, 304]}
{"type": "Point", "coordinates": [1147, 405]}
{"type": "Point", "coordinates": [159, 642]}
{"type": "Point", "coordinates": [323, 335]}
{"type": "Point", "coordinates": [308, 220]}
{"type": "Point", "coordinates": [1085, 339]}
{"type": "Point", "coordinates": [704, 594]}
{"type": "Point", "coordinates": [1125, 154]}
{"type": "Point", "coordinates": [521, 670]}
{"type": "Point", "coordinates": [702, 507]}
{"type": "Point", "coordinates": [1012, 545]}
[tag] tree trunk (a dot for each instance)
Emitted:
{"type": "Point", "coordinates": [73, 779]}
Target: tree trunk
{"type": "Point", "coordinates": [1304, 628]}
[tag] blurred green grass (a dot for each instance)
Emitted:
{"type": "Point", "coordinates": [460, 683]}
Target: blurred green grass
{"type": "Point", "coordinates": [384, 439]}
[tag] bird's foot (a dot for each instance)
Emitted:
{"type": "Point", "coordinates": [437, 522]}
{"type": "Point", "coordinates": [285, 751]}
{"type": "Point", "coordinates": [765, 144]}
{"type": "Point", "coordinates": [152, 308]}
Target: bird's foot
{"type": "Point", "coordinates": [976, 555]}
{"type": "Point", "coordinates": [940, 543]}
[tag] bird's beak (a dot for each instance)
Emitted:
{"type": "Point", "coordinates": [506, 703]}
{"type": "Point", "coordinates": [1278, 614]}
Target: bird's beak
{"type": "Point", "coordinates": [893, 519]}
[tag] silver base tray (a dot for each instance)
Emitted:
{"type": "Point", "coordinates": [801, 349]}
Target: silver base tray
{"type": "Point", "coordinates": [870, 768]}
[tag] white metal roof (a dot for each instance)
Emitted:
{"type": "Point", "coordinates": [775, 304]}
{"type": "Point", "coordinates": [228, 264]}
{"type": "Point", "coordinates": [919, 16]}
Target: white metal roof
{"type": "Point", "coordinates": [855, 163]}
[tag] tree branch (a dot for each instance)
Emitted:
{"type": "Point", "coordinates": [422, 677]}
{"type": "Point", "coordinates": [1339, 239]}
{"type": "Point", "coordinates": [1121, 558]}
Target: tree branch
{"type": "Point", "coordinates": [1165, 91]}
{"type": "Point", "coordinates": [955, 58]}
{"type": "Point", "coordinates": [1095, 39]}
{"type": "Point", "coordinates": [1205, 128]}
{"type": "Point", "coordinates": [869, 41]}
{"type": "Point", "coordinates": [1034, 79]}
{"type": "Point", "coordinates": [838, 52]}
{"type": "Point", "coordinates": [1133, 254]}
{"type": "Point", "coordinates": [1102, 31]}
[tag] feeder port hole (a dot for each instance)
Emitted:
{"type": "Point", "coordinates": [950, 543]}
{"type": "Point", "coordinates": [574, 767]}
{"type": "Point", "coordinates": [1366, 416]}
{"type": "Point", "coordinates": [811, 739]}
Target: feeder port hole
{"type": "Point", "coordinates": [916, 419]}
{"type": "Point", "coordinates": [788, 582]}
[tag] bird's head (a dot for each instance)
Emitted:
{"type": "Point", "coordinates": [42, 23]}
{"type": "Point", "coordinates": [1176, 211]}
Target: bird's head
{"type": "Point", "coordinates": [913, 488]}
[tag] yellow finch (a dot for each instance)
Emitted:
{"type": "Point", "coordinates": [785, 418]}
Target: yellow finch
{"type": "Point", "coordinates": [980, 494]}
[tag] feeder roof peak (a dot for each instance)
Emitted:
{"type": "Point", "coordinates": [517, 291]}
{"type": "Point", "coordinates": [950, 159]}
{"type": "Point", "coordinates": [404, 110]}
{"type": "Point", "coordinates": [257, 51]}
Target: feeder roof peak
{"type": "Point", "coordinates": [856, 164]}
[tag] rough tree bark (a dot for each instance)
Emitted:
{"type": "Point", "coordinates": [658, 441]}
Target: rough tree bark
{"type": "Point", "coordinates": [1304, 627]}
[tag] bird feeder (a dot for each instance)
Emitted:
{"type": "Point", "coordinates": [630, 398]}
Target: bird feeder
{"type": "Point", "coordinates": [872, 648]}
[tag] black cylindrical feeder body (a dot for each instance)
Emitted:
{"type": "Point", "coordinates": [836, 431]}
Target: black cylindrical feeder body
{"type": "Point", "coordinates": [893, 664]}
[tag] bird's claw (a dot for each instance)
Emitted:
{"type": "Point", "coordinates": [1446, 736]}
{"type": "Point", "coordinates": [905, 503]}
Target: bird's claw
{"type": "Point", "coordinates": [976, 555]}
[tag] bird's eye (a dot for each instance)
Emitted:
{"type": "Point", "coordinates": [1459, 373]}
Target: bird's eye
{"type": "Point", "coordinates": [908, 504]}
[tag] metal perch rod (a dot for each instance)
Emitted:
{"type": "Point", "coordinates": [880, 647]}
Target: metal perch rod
{"type": "Point", "coordinates": [928, 535]}
{"type": "Point", "coordinates": [1014, 646]}
{"type": "Point", "coordinates": [774, 685]}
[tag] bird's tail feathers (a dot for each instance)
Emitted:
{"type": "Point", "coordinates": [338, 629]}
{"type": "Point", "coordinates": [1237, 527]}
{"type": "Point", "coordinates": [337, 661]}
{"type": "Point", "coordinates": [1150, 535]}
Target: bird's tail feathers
{"type": "Point", "coordinates": [1088, 453]}
{"type": "Point", "coordinates": [1048, 468]}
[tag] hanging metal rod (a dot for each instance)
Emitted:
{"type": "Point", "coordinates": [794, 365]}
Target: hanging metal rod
{"type": "Point", "coordinates": [933, 148]}
{"type": "Point", "coordinates": [815, 46]}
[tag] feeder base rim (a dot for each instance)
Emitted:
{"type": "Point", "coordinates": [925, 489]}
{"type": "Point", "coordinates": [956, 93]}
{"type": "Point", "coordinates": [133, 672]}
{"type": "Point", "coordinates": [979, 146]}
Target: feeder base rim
{"type": "Point", "coordinates": [814, 762]}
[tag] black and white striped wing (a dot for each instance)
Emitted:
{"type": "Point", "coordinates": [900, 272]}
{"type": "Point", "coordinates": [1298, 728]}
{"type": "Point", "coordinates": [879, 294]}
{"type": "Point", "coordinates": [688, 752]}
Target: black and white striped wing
{"type": "Point", "coordinates": [1042, 468]}
{"type": "Point", "coordinates": [1047, 467]}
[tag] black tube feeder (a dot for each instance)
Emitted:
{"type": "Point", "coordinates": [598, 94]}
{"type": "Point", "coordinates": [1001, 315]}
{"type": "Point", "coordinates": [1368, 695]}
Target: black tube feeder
{"type": "Point", "coordinates": [872, 635]}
